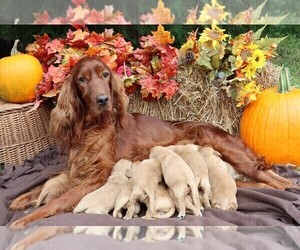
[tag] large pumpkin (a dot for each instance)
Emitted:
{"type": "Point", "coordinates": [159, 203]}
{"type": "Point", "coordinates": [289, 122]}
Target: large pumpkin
{"type": "Point", "coordinates": [271, 124]}
{"type": "Point", "coordinates": [19, 75]}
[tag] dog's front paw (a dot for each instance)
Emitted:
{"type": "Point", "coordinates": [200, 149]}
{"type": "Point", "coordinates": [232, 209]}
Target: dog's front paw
{"type": "Point", "coordinates": [21, 203]}
{"type": "Point", "coordinates": [18, 224]}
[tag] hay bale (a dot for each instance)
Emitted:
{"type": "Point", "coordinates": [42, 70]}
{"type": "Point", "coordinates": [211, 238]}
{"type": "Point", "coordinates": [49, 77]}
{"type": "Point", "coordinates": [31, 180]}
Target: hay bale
{"type": "Point", "coordinates": [199, 100]}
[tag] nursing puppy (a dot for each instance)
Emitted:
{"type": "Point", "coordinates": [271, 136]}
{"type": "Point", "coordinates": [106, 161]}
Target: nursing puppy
{"type": "Point", "coordinates": [223, 185]}
{"type": "Point", "coordinates": [145, 177]}
{"type": "Point", "coordinates": [190, 154]}
{"type": "Point", "coordinates": [164, 206]}
{"type": "Point", "coordinates": [102, 200]}
{"type": "Point", "coordinates": [52, 189]}
{"type": "Point", "coordinates": [122, 202]}
{"type": "Point", "coordinates": [179, 178]}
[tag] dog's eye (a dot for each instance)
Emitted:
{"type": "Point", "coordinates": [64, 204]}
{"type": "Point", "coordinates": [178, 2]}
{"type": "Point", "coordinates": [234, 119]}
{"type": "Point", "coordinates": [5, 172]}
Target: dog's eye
{"type": "Point", "coordinates": [82, 79]}
{"type": "Point", "coordinates": [105, 74]}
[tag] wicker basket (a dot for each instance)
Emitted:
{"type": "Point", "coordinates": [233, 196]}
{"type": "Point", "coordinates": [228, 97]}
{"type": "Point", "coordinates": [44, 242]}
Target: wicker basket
{"type": "Point", "coordinates": [24, 131]}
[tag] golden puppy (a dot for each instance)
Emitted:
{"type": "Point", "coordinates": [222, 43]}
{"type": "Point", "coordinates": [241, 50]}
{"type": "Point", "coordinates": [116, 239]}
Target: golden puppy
{"type": "Point", "coordinates": [52, 189]}
{"type": "Point", "coordinates": [122, 201]}
{"type": "Point", "coordinates": [223, 185]}
{"type": "Point", "coordinates": [179, 178]}
{"type": "Point", "coordinates": [102, 200]}
{"type": "Point", "coordinates": [145, 177]}
{"type": "Point", "coordinates": [190, 154]}
{"type": "Point", "coordinates": [163, 205]}
{"type": "Point", "coordinates": [189, 206]}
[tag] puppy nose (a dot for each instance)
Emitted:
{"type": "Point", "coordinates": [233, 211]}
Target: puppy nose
{"type": "Point", "coordinates": [102, 100]}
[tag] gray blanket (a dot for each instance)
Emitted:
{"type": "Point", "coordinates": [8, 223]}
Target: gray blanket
{"type": "Point", "coordinates": [256, 206]}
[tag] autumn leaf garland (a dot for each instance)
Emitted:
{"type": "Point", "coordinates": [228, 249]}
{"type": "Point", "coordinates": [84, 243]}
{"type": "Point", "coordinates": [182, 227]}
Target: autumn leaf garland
{"type": "Point", "coordinates": [149, 69]}
{"type": "Point", "coordinates": [231, 63]}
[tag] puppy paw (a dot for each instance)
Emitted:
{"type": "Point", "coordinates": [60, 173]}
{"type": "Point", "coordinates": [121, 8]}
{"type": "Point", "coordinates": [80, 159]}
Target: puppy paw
{"type": "Point", "coordinates": [80, 208]}
{"type": "Point", "coordinates": [232, 206]}
{"type": "Point", "coordinates": [42, 198]}
{"type": "Point", "coordinates": [216, 206]}
{"type": "Point", "coordinates": [181, 216]}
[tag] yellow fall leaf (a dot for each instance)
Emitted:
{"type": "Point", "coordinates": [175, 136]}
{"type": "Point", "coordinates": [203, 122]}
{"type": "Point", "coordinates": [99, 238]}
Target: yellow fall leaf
{"type": "Point", "coordinates": [80, 35]}
{"type": "Point", "coordinates": [163, 36]}
{"type": "Point", "coordinates": [163, 15]}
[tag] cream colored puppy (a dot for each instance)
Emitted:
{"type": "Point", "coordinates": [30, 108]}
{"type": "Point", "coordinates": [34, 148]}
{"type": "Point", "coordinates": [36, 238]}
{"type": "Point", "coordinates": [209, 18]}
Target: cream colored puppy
{"type": "Point", "coordinates": [223, 185]}
{"type": "Point", "coordinates": [145, 177]}
{"type": "Point", "coordinates": [122, 202]}
{"type": "Point", "coordinates": [52, 189]}
{"type": "Point", "coordinates": [179, 178]}
{"type": "Point", "coordinates": [189, 206]}
{"type": "Point", "coordinates": [163, 205]}
{"type": "Point", "coordinates": [190, 154]}
{"type": "Point", "coordinates": [102, 200]}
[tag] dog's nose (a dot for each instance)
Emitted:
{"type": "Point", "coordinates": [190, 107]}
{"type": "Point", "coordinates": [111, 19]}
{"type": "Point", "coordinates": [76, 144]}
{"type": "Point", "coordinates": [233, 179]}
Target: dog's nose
{"type": "Point", "coordinates": [102, 100]}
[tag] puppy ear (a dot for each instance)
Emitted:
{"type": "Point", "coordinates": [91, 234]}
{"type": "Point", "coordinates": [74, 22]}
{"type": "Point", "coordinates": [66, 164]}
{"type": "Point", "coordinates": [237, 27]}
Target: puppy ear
{"type": "Point", "coordinates": [67, 117]}
{"type": "Point", "coordinates": [120, 98]}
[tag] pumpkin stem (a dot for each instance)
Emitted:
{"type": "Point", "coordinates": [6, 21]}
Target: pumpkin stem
{"type": "Point", "coordinates": [14, 49]}
{"type": "Point", "coordinates": [284, 81]}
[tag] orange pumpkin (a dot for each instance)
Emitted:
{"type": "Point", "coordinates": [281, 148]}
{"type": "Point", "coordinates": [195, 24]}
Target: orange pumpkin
{"type": "Point", "coordinates": [271, 124]}
{"type": "Point", "coordinates": [19, 75]}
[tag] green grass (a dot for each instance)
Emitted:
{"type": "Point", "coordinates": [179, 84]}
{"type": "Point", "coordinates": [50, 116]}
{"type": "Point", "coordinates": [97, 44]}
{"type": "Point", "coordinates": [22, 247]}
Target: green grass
{"type": "Point", "coordinates": [289, 56]}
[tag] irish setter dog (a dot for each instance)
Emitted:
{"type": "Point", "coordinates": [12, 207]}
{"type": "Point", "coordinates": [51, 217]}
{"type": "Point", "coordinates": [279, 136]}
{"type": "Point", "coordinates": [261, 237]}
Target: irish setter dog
{"type": "Point", "coordinates": [92, 125]}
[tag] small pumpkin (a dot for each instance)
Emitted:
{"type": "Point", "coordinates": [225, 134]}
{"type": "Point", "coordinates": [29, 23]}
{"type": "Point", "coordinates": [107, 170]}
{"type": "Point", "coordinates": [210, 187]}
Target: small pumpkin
{"type": "Point", "coordinates": [271, 124]}
{"type": "Point", "coordinates": [19, 75]}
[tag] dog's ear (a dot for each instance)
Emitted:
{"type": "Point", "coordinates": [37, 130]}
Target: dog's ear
{"type": "Point", "coordinates": [67, 117]}
{"type": "Point", "coordinates": [120, 98]}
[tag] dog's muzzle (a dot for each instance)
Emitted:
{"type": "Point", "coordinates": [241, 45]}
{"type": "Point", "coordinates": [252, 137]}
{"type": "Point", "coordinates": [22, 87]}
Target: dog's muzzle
{"type": "Point", "coordinates": [102, 100]}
